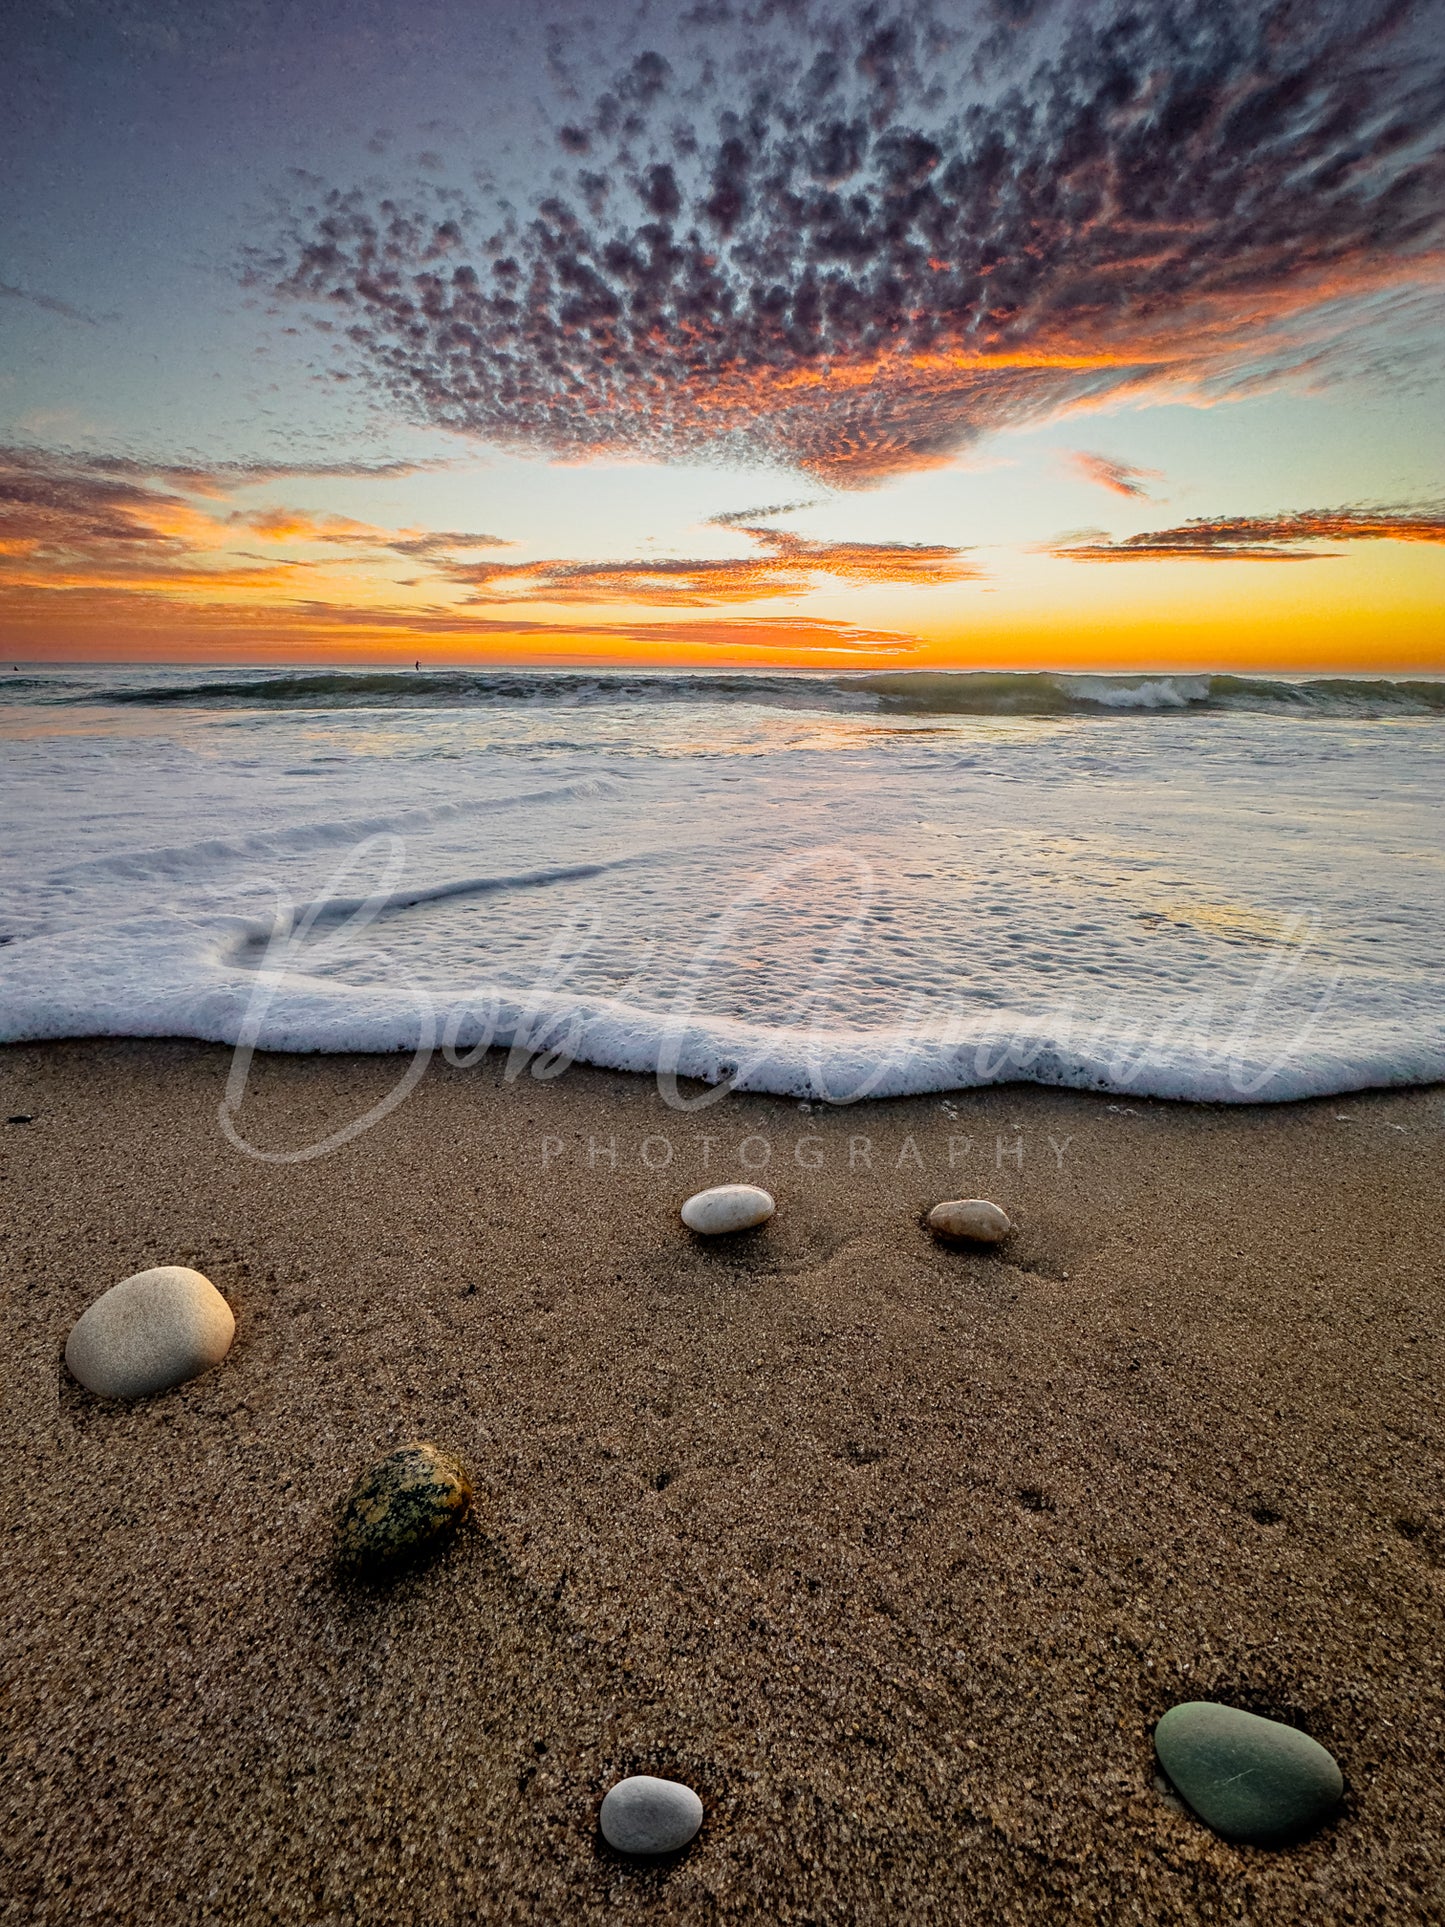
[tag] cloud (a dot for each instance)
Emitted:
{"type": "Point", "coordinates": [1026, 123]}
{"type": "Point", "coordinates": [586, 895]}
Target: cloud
{"type": "Point", "coordinates": [1121, 478]}
{"type": "Point", "coordinates": [69, 520]}
{"type": "Point", "coordinates": [59, 520]}
{"type": "Point", "coordinates": [814, 634]}
{"type": "Point", "coordinates": [862, 243]}
{"type": "Point", "coordinates": [68, 622]}
{"type": "Point", "coordinates": [219, 478]}
{"type": "Point", "coordinates": [784, 564]}
{"type": "Point", "coordinates": [300, 525]}
{"type": "Point", "coordinates": [736, 518]}
{"type": "Point", "coordinates": [50, 305]}
{"type": "Point", "coordinates": [1261, 538]}
{"type": "Point", "coordinates": [443, 541]}
{"type": "Point", "coordinates": [110, 544]}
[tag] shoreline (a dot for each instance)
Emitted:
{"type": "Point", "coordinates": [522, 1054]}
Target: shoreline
{"type": "Point", "coordinates": [895, 1553]}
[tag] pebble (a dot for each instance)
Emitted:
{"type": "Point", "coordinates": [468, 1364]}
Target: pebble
{"type": "Point", "coordinates": [150, 1332]}
{"type": "Point", "coordinates": [972, 1218]}
{"type": "Point", "coordinates": [727, 1207]}
{"type": "Point", "coordinates": [402, 1505]}
{"type": "Point", "coordinates": [1250, 1779]}
{"type": "Point", "coordinates": [644, 1815]}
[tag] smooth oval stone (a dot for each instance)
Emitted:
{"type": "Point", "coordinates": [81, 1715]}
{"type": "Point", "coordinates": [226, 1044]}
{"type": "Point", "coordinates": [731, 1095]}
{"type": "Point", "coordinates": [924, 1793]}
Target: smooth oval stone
{"type": "Point", "coordinates": [150, 1332]}
{"type": "Point", "coordinates": [727, 1207]}
{"type": "Point", "coordinates": [1248, 1778]}
{"type": "Point", "coordinates": [644, 1815]}
{"type": "Point", "coordinates": [403, 1505]}
{"type": "Point", "coordinates": [972, 1218]}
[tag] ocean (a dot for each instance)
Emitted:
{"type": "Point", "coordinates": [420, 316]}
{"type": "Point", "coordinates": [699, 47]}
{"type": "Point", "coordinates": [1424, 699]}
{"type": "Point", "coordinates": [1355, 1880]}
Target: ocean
{"type": "Point", "coordinates": [829, 886]}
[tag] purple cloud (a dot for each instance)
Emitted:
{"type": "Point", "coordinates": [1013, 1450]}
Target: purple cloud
{"type": "Point", "coordinates": [859, 244]}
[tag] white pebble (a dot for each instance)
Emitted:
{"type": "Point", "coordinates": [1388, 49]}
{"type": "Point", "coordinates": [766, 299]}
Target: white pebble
{"type": "Point", "coordinates": [727, 1207]}
{"type": "Point", "coordinates": [644, 1815]}
{"type": "Point", "coordinates": [150, 1332]}
{"type": "Point", "coordinates": [972, 1218]}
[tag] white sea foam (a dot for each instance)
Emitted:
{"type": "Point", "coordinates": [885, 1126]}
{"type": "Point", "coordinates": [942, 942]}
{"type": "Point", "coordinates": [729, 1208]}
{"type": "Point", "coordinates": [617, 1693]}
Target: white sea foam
{"type": "Point", "coordinates": [1150, 692]}
{"type": "Point", "coordinates": [774, 882]}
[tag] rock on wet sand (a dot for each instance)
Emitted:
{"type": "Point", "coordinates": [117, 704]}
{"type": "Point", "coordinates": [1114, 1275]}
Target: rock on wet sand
{"type": "Point", "coordinates": [402, 1506]}
{"type": "Point", "coordinates": [727, 1207]}
{"type": "Point", "coordinates": [648, 1816]}
{"type": "Point", "coordinates": [1250, 1779]}
{"type": "Point", "coordinates": [974, 1220]}
{"type": "Point", "coordinates": [149, 1332]}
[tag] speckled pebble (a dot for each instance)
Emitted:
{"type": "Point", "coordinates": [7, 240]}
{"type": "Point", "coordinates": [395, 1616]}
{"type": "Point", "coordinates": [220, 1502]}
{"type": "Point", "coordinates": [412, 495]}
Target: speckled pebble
{"type": "Point", "coordinates": [150, 1332]}
{"type": "Point", "coordinates": [727, 1207]}
{"type": "Point", "coordinates": [1250, 1779]}
{"type": "Point", "coordinates": [401, 1506]}
{"type": "Point", "coordinates": [643, 1815]}
{"type": "Point", "coordinates": [973, 1219]}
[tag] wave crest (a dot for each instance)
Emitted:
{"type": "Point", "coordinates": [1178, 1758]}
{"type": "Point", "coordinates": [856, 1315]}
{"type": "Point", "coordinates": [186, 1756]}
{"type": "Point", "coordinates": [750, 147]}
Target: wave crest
{"type": "Point", "coordinates": [965, 692]}
{"type": "Point", "coordinates": [1042, 693]}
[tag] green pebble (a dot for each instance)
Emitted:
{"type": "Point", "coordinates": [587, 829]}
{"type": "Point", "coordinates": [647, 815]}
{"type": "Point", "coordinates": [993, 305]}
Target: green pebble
{"type": "Point", "coordinates": [1250, 1779]}
{"type": "Point", "coordinates": [402, 1506]}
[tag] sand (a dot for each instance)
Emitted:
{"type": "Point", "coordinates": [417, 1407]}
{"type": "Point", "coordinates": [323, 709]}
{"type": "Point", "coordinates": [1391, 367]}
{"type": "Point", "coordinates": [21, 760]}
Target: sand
{"type": "Point", "coordinates": [894, 1553]}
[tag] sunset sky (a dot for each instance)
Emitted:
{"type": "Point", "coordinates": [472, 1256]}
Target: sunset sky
{"type": "Point", "coordinates": [994, 335]}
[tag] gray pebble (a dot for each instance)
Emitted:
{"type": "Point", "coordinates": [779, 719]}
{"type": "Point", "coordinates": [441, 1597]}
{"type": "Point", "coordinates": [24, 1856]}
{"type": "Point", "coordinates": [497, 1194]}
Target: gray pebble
{"type": "Point", "coordinates": [647, 1816]}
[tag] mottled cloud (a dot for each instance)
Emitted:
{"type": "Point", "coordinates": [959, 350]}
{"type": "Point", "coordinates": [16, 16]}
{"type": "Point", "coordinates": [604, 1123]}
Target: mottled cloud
{"type": "Point", "coordinates": [783, 564]}
{"type": "Point", "coordinates": [1262, 538]}
{"type": "Point", "coordinates": [1120, 478]}
{"type": "Point", "coordinates": [851, 243]}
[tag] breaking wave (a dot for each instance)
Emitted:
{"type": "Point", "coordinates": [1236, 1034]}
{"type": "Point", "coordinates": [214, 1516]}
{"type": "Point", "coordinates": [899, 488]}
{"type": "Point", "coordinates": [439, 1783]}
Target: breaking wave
{"type": "Point", "coordinates": [1004, 693]}
{"type": "Point", "coordinates": [981, 692]}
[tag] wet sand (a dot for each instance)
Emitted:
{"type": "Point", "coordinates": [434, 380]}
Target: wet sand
{"type": "Point", "coordinates": [895, 1554]}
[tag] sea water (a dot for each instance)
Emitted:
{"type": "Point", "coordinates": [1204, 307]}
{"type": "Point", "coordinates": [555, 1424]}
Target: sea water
{"type": "Point", "coordinates": [832, 886]}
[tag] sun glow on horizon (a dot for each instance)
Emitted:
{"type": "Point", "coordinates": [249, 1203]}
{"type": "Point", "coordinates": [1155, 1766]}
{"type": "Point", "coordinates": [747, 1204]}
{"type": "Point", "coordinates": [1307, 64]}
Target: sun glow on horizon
{"type": "Point", "coordinates": [881, 373]}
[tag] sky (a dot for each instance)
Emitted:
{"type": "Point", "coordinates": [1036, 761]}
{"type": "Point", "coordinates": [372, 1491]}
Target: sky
{"type": "Point", "coordinates": [1025, 333]}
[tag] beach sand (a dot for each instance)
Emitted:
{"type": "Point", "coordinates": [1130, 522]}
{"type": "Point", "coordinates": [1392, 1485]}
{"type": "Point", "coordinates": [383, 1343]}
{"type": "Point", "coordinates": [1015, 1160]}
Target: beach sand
{"type": "Point", "coordinates": [896, 1554]}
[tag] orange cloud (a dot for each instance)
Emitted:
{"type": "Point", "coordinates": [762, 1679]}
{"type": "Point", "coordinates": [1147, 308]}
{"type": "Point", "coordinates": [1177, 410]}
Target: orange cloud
{"type": "Point", "coordinates": [91, 549]}
{"type": "Point", "coordinates": [134, 624]}
{"type": "Point", "coordinates": [70, 522]}
{"type": "Point", "coordinates": [1263, 538]}
{"type": "Point", "coordinates": [1120, 478]}
{"type": "Point", "coordinates": [298, 525]}
{"type": "Point", "coordinates": [786, 565]}
{"type": "Point", "coordinates": [67, 526]}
